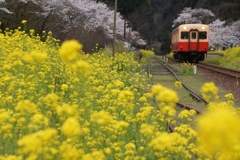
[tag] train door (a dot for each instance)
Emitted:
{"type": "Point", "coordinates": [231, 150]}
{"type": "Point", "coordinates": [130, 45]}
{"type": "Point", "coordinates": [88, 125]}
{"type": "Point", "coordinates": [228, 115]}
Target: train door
{"type": "Point", "coordinates": [193, 40]}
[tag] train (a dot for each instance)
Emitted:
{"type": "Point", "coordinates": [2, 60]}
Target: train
{"type": "Point", "coordinates": [190, 42]}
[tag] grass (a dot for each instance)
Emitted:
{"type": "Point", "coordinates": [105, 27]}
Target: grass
{"type": "Point", "coordinates": [193, 81]}
{"type": "Point", "coordinates": [183, 94]}
{"type": "Point", "coordinates": [213, 59]}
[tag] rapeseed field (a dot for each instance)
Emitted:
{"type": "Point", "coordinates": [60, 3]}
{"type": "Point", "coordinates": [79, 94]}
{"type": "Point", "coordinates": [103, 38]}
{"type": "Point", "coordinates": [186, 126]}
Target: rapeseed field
{"type": "Point", "coordinates": [57, 102]}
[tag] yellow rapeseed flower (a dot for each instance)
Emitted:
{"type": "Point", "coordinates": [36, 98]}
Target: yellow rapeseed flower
{"type": "Point", "coordinates": [101, 117]}
{"type": "Point", "coordinates": [229, 96]}
{"type": "Point", "coordinates": [14, 56]}
{"type": "Point", "coordinates": [147, 129]}
{"type": "Point", "coordinates": [24, 21]}
{"type": "Point", "coordinates": [165, 95]}
{"type": "Point", "coordinates": [130, 148]}
{"type": "Point", "coordinates": [167, 110]}
{"type": "Point", "coordinates": [209, 91]}
{"type": "Point", "coordinates": [143, 99]}
{"type": "Point", "coordinates": [118, 83]}
{"type": "Point", "coordinates": [119, 126]}
{"type": "Point", "coordinates": [26, 106]}
{"type": "Point", "coordinates": [11, 157]}
{"type": "Point", "coordinates": [219, 134]}
{"type": "Point", "coordinates": [186, 114]}
{"type": "Point", "coordinates": [35, 142]}
{"type": "Point", "coordinates": [32, 31]}
{"type": "Point", "coordinates": [64, 87]}
{"type": "Point", "coordinates": [4, 115]}
{"type": "Point", "coordinates": [156, 89]}
{"type": "Point", "coordinates": [167, 142]}
{"type": "Point", "coordinates": [81, 66]}
{"type": "Point", "coordinates": [125, 95]}
{"type": "Point", "coordinates": [34, 56]}
{"type": "Point", "coordinates": [215, 105]}
{"type": "Point", "coordinates": [39, 119]}
{"type": "Point", "coordinates": [68, 151]}
{"type": "Point", "coordinates": [178, 84]}
{"type": "Point", "coordinates": [21, 121]}
{"type": "Point", "coordinates": [6, 128]}
{"type": "Point", "coordinates": [71, 127]}
{"type": "Point", "coordinates": [144, 113]}
{"type": "Point", "coordinates": [70, 50]}
{"type": "Point", "coordinates": [51, 99]}
{"type": "Point", "coordinates": [107, 151]}
{"type": "Point", "coordinates": [68, 110]}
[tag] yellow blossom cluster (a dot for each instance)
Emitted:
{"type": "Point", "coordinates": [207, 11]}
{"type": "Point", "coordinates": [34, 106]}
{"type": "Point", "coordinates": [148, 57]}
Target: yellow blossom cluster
{"type": "Point", "coordinates": [185, 114]}
{"type": "Point", "coordinates": [230, 99]}
{"type": "Point", "coordinates": [187, 68]}
{"type": "Point", "coordinates": [167, 99]}
{"type": "Point", "coordinates": [209, 91]}
{"type": "Point", "coordinates": [70, 50]}
{"type": "Point", "coordinates": [231, 59]}
{"type": "Point", "coordinates": [219, 134]}
{"type": "Point", "coordinates": [178, 84]}
{"type": "Point", "coordinates": [146, 54]}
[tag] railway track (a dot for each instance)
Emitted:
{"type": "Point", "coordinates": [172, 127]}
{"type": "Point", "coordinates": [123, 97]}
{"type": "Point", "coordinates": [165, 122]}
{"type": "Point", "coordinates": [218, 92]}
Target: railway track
{"type": "Point", "coordinates": [226, 78]}
{"type": "Point", "coordinates": [194, 95]}
{"type": "Point", "coordinates": [221, 76]}
{"type": "Point", "coordinates": [222, 70]}
{"type": "Point", "coordinates": [163, 69]}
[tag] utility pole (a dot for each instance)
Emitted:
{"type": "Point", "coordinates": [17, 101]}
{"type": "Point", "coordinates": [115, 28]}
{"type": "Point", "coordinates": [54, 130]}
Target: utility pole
{"type": "Point", "coordinates": [114, 28]}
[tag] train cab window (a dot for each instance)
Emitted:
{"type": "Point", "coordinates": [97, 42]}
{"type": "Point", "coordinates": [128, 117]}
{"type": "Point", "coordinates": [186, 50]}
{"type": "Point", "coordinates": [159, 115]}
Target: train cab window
{"type": "Point", "coordinates": [202, 35]}
{"type": "Point", "coordinates": [184, 35]}
{"type": "Point", "coordinates": [194, 35]}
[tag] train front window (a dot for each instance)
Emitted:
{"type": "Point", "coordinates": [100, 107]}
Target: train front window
{"type": "Point", "coordinates": [202, 35]}
{"type": "Point", "coordinates": [194, 35]}
{"type": "Point", "coordinates": [184, 35]}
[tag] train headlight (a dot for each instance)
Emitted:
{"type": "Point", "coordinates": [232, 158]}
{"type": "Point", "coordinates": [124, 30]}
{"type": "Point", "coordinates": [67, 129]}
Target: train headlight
{"type": "Point", "coordinates": [203, 27]}
{"type": "Point", "coordinates": [184, 27]}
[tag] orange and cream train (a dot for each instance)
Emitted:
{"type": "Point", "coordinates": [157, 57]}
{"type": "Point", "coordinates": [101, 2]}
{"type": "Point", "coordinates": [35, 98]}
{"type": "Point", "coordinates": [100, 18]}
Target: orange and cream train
{"type": "Point", "coordinates": [190, 42]}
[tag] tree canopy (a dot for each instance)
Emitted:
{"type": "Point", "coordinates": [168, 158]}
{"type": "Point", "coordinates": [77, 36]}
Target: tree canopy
{"type": "Point", "coordinates": [86, 20]}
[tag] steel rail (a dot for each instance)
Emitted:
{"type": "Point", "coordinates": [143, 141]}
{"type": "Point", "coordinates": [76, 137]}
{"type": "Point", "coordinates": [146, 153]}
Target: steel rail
{"type": "Point", "coordinates": [223, 70]}
{"type": "Point", "coordinates": [194, 95]}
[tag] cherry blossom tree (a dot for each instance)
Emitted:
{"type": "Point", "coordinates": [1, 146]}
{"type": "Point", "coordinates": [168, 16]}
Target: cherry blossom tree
{"type": "Point", "coordinates": [223, 36]}
{"type": "Point", "coordinates": [189, 15]}
{"type": "Point", "coordinates": [234, 30]}
{"type": "Point", "coordinates": [217, 29]}
{"type": "Point", "coordinates": [4, 9]}
{"type": "Point", "coordinates": [84, 16]}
